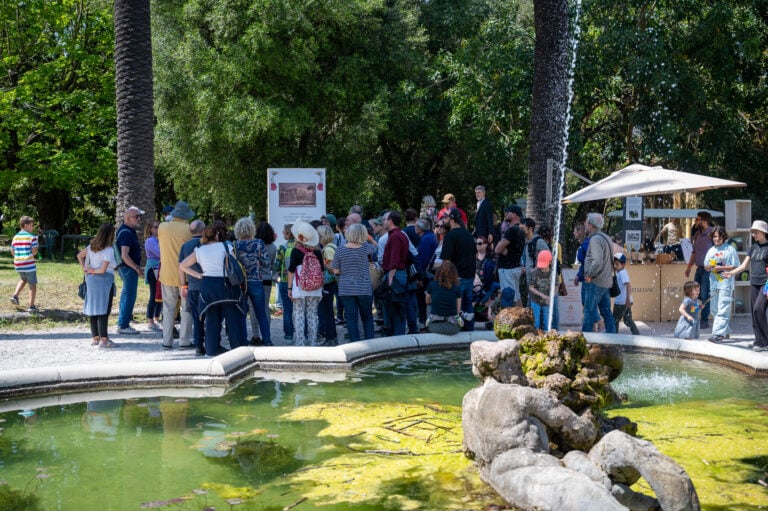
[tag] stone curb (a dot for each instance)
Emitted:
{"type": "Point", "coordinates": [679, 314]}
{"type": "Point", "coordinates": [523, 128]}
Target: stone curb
{"type": "Point", "coordinates": [291, 363]}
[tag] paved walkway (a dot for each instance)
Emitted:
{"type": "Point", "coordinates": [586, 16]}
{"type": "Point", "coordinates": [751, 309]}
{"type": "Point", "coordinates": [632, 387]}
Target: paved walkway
{"type": "Point", "coordinates": [71, 344]}
{"type": "Point", "coordinates": [62, 360]}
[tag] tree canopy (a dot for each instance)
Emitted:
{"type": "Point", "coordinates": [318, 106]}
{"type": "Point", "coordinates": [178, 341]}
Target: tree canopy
{"type": "Point", "coordinates": [396, 98]}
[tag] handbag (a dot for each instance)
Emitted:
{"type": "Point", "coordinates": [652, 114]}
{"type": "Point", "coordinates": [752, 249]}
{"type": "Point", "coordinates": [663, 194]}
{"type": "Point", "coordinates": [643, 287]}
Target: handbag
{"type": "Point", "coordinates": [562, 290]}
{"type": "Point", "coordinates": [82, 289]}
{"type": "Point", "coordinates": [615, 290]}
{"type": "Point", "coordinates": [233, 270]}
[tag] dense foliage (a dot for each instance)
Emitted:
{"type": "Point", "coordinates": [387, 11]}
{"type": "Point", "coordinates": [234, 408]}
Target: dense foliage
{"type": "Point", "coordinates": [396, 98]}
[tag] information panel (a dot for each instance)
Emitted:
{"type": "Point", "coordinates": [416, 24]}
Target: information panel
{"type": "Point", "coordinates": [293, 195]}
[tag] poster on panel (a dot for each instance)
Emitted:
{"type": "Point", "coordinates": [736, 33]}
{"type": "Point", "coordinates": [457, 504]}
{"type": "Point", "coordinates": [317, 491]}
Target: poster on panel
{"type": "Point", "coordinates": [293, 195]}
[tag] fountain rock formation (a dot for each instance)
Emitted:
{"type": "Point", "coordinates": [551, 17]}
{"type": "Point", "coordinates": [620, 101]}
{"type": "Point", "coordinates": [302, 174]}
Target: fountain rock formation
{"type": "Point", "coordinates": [534, 435]}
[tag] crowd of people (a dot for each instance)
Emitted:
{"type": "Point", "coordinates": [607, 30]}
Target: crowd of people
{"type": "Point", "coordinates": [409, 273]}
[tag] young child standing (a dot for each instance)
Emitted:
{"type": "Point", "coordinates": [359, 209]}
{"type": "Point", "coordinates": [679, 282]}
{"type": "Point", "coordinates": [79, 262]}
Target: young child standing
{"type": "Point", "coordinates": [690, 312]}
{"type": "Point", "coordinates": [622, 304]}
{"type": "Point", "coordinates": [538, 289]}
{"type": "Point", "coordinates": [24, 249]}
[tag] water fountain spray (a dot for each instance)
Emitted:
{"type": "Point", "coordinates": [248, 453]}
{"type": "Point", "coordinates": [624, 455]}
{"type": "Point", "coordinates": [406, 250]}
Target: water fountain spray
{"type": "Point", "coordinates": [561, 163]}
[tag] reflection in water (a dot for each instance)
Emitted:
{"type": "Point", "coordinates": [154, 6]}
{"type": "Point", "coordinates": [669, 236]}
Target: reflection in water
{"type": "Point", "coordinates": [341, 444]}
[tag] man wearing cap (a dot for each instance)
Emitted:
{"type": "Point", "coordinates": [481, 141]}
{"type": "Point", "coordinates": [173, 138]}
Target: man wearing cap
{"type": "Point", "coordinates": [449, 202]}
{"type": "Point", "coordinates": [171, 236]}
{"type": "Point", "coordinates": [459, 248]}
{"type": "Point", "coordinates": [484, 216]}
{"type": "Point", "coordinates": [509, 252]}
{"type": "Point", "coordinates": [127, 242]}
{"type": "Point", "coordinates": [702, 242]}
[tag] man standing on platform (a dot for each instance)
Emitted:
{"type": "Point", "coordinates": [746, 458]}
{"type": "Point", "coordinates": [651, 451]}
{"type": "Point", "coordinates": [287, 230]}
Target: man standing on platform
{"type": "Point", "coordinates": [484, 216]}
{"type": "Point", "coordinates": [702, 242]}
{"type": "Point", "coordinates": [509, 251]}
{"type": "Point", "coordinates": [394, 264]}
{"type": "Point", "coordinates": [127, 242]}
{"type": "Point", "coordinates": [172, 235]}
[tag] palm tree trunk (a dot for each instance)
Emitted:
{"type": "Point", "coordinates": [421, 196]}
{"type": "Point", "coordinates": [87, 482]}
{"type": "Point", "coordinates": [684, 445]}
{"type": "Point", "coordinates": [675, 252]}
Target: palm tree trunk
{"type": "Point", "coordinates": [550, 101]}
{"type": "Point", "coordinates": [135, 116]}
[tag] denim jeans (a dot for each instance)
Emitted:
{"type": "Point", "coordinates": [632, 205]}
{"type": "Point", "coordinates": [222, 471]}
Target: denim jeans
{"type": "Point", "coordinates": [154, 308]}
{"type": "Point", "coordinates": [721, 305]}
{"type": "Point", "coordinates": [287, 309]}
{"type": "Point", "coordinates": [702, 277]}
{"type": "Point", "coordinates": [327, 321]}
{"type": "Point", "coordinates": [362, 305]}
{"type": "Point", "coordinates": [256, 296]}
{"type": "Point", "coordinates": [214, 317]}
{"type": "Point", "coordinates": [127, 295]}
{"type": "Point", "coordinates": [198, 330]}
{"type": "Point", "coordinates": [510, 278]}
{"type": "Point", "coordinates": [466, 286]}
{"type": "Point", "coordinates": [597, 302]}
{"type": "Point", "coordinates": [540, 315]}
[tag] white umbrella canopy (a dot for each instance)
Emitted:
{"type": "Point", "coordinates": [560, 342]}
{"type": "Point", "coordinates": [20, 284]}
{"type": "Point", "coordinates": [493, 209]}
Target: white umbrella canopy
{"type": "Point", "coordinates": [643, 180]}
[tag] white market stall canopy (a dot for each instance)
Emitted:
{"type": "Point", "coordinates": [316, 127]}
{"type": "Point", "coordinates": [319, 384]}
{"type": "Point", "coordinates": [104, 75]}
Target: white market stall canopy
{"type": "Point", "coordinates": [643, 180]}
{"type": "Point", "coordinates": [669, 213]}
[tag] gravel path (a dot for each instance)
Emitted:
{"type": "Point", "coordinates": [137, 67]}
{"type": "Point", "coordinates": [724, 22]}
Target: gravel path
{"type": "Point", "coordinates": [71, 345]}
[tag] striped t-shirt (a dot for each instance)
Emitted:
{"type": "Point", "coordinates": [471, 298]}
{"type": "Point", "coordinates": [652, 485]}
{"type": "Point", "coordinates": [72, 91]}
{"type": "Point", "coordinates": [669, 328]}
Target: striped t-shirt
{"type": "Point", "coordinates": [22, 244]}
{"type": "Point", "coordinates": [354, 279]}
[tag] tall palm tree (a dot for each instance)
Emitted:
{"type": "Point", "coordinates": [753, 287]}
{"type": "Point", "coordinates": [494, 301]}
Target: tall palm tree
{"type": "Point", "coordinates": [550, 101]}
{"type": "Point", "coordinates": [135, 116]}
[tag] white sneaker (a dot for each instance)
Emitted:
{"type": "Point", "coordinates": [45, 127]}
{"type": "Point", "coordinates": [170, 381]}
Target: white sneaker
{"type": "Point", "coordinates": [128, 331]}
{"type": "Point", "coordinates": [467, 316]}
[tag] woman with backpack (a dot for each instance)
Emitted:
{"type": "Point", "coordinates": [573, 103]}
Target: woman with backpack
{"type": "Point", "coordinates": [305, 283]}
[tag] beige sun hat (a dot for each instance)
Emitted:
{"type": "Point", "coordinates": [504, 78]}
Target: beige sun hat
{"type": "Point", "coordinates": [305, 233]}
{"type": "Point", "coordinates": [759, 225]}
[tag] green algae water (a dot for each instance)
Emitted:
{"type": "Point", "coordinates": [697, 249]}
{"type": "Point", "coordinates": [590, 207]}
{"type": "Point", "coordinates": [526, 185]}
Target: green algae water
{"type": "Point", "coordinates": [711, 419]}
{"type": "Point", "coordinates": [386, 436]}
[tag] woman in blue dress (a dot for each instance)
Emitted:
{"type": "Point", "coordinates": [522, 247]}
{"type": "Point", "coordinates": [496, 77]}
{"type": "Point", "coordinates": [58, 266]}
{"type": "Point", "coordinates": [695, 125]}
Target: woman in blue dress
{"type": "Point", "coordinates": [98, 263]}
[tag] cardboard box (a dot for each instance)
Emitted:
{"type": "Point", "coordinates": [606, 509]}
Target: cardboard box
{"type": "Point", "coordinates": [646, 292]}
{"type": "Point", "coordinates": [673, 279]}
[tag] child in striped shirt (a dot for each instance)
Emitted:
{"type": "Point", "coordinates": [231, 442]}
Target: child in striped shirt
{"type": "Point", "coordinates": [24, 249]}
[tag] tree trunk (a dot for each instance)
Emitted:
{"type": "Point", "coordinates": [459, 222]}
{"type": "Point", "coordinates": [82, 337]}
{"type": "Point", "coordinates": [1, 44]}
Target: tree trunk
{"type": "Point", "coordinates": [550, 101]}
{"type": "Point", "coordinates": [135, 116]}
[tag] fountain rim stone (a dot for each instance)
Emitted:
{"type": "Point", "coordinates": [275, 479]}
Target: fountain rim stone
{"type": "Point", "coordinates": [215, 376]}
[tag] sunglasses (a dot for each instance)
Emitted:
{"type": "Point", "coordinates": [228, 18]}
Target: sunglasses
{"type": "Point", "coordinates": [480, 243]}
{"type": "Point", "coordinates": [440, 226]}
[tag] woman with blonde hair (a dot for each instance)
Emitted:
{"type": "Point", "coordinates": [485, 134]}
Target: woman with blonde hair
{"type": "Point", "coordinates": [98, 263]}
{"type": "Point", "coordinates": [350, 264]}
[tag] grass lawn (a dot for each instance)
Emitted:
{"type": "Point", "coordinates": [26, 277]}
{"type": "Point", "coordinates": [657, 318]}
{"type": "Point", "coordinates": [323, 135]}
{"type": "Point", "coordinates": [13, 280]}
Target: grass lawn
{"type": "Point", "coordinates": [56, 291]}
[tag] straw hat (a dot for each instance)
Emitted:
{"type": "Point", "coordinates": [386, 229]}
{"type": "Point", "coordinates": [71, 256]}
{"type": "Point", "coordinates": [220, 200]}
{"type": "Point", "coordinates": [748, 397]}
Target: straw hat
{"type": "Point", "coordinates": [305, 233]}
